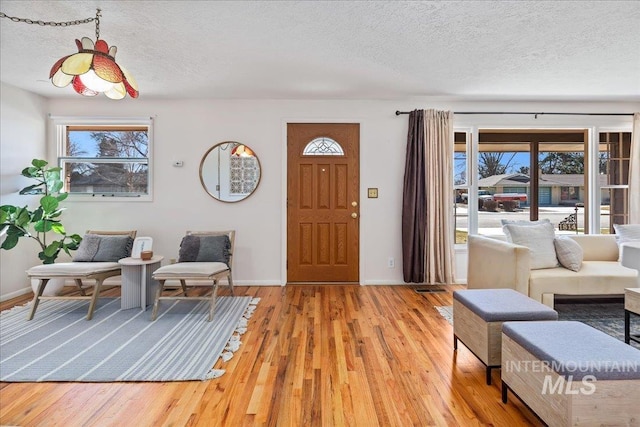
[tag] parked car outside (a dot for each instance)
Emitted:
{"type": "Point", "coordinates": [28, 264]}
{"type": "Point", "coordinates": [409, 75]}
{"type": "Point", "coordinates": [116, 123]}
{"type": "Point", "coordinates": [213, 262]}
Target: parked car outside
{"type": "Point", "coordinates": [482, 195]}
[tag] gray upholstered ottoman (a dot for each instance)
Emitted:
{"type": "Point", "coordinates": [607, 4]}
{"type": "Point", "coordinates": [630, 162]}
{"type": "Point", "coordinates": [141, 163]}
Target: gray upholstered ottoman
{"type": "Point", "coordinates": [569, 373]}
{"type": "Point", "coordinates": [478, 315]}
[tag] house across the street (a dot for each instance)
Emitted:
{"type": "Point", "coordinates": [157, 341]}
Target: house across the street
{"type": "Point", "coordinates": [554, 189]}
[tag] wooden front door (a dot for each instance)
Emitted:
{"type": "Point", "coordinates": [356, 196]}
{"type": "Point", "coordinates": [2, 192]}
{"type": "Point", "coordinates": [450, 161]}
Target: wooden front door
{"type": "Point", "coordinates": [323, 207]}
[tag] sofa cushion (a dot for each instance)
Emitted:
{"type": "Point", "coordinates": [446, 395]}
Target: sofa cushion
{"type": "Point", "coordinates": [538, 238]}
{"type": "Point", "coordinates": [597, 247]}
{"type": "Point", "coordinates": [569, 253]}
{"type": "Point", "coordinates": [594, 278]}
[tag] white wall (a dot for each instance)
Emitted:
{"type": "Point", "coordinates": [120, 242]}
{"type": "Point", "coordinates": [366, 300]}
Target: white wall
{"type": "Point", "coordinates": [22, 138]}
{"type": "Point", "coordinates": [185, 129]}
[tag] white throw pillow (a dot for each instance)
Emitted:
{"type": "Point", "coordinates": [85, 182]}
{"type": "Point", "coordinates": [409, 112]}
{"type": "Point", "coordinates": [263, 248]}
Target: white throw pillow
{"type": "Point", "coordinates": [569, 253]}
{"type": "Point", "coordinates": [627, 233]}
{"type": "Point", "coordinates": [538, 238]}
{"type": "Point", "coordinates": [522, 222]}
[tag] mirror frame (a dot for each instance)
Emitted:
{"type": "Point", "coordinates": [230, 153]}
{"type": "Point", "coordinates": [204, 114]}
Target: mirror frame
{"type": "Point", "coordinates": [212, 193]}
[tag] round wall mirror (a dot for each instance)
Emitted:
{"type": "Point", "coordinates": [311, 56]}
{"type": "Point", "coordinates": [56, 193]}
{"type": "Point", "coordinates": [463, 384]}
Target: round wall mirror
{"type": "Point", "coordinates": [230, 171]}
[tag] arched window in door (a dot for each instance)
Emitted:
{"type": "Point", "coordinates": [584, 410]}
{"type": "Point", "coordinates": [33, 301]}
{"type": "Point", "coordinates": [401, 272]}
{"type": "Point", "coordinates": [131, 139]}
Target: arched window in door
{"type": "Point", "coordinates": [323, 146]}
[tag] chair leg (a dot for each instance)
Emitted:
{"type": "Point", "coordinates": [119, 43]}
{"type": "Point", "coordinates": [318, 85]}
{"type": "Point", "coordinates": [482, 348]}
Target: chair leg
{"type": "Point", "coordinates": [212, 307]}
{"type": "Point", "coordinates": [79, 285]}
{"type": "Point", "coordinates": [156, 302]}
{"type": "Point", "coordinates": [230, 282]}
{"type": "Point", "coordinates": [183, 283]}
{"type": "Point", "coordinates": [36, 298]}
{"type": "Point", "coordinates": [94, 298]}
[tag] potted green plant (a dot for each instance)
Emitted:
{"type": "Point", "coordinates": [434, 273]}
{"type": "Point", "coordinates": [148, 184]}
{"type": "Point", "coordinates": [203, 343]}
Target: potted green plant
{"type": "Point", "coordinates": [36, 223]}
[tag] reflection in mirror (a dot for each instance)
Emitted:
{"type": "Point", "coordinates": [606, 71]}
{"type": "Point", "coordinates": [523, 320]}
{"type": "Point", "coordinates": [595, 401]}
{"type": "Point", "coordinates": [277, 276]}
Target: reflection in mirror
{"type": "Point", "coordinates": [230, 171]}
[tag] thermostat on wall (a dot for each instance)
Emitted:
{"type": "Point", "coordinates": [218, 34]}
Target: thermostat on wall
{"type": "Point", "coordinates": [372, 193]}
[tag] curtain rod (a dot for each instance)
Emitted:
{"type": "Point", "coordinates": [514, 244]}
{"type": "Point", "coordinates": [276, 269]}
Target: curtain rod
{"type": "Point", "coordinates": [534, 114]}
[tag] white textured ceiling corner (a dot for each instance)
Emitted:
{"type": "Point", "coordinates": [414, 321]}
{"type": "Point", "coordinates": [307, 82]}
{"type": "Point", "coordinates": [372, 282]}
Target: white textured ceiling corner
{"type": "Point", "coordinates": [523, 50]}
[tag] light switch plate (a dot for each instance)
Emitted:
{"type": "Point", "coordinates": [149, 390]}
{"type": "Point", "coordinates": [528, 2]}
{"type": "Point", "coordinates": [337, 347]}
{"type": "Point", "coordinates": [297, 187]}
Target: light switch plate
{"type": "Point", "coordinates": [372, 193]}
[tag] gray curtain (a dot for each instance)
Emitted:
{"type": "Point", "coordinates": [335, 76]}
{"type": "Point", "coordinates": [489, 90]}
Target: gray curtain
{"type": "Point", "coordinates": [427, 206]}
{"type": "Point", "coordinates": [414, 219]}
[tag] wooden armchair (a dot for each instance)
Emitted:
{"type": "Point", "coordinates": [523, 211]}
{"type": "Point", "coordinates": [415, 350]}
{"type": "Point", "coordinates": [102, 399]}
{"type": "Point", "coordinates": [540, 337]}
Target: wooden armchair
{"type": "Point", "coordinates": [204, 256]}
{"type": "Point", "coordinates": [78, 271]}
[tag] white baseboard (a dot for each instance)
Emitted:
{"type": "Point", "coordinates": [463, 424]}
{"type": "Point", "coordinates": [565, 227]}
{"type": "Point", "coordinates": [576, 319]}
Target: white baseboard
{"type": "Point", "coordinates": [15, 294]}
{"type": "Point", "coordinates": [257, 283]}
{"type": "Point", "coordinates": [382, 282]}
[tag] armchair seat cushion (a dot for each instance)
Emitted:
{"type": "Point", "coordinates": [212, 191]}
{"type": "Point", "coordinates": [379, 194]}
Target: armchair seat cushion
{"type": "Point", "coordinates": [71, 269]}
{"type": "Point", "coordinates": [190, 270]}
{"type": "Point", "coordinates": [594, 278]}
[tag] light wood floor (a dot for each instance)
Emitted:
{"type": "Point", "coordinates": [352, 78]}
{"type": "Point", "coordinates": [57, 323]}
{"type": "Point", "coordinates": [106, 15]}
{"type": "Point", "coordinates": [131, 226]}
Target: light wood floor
{"type": "Point", "coordinates": [312, 356]}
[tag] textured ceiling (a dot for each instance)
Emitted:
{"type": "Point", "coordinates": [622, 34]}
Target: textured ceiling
{"type": "Point", "coordinates": [471, 50]}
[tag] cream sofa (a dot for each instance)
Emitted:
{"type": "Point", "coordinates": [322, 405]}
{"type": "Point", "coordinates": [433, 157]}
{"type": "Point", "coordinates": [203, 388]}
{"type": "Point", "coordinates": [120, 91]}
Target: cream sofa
{"type": "Point", "coordinates": [495, 263]}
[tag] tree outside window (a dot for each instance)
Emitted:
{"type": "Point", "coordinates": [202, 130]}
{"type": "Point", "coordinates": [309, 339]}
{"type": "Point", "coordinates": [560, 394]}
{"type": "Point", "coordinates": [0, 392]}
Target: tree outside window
{"type": "Point", "coordinates": [106, 160]}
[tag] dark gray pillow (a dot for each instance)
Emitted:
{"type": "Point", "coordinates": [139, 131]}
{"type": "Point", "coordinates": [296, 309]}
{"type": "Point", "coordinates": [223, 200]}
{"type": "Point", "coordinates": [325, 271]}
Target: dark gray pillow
{"type": "Point", "coordinates": [194, 248]}
{"type": "Point", "coordinates": [99, 248]}
{"type": "Point", "coordinates": [87, 249]}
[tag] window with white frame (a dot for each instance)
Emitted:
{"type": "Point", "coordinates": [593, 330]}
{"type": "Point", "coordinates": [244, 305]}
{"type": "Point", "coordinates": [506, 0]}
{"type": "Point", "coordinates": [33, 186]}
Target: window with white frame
{"type": "Point", "coordinates": [106, 158]}
{"type": "Point", "coordinates": [461, 187]}
{"type": "Point", "coordinates": [591, 187]}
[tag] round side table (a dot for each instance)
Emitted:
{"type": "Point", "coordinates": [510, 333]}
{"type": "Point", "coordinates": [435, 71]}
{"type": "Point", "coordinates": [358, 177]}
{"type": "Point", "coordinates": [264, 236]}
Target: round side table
{"type": "Point", "coordinates": [138, 287]}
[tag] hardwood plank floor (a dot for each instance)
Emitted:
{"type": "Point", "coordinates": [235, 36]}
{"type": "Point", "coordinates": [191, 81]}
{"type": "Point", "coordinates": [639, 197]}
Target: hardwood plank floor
{"type": "Point", "coordinates": [328, 355]}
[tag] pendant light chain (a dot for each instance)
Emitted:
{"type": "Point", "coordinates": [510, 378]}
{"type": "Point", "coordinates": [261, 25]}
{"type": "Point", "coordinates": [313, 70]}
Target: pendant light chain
{"type": "Point", "coordinates": [55, 24]}
{"type": "Point", "coordinates": [97, 19]}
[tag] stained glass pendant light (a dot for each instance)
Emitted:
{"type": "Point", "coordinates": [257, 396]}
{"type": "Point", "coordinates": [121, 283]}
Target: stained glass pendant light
{"type": "Point", "coordinates": [242, 151]}
{"type": "Point", "coordinates": [93, 70]}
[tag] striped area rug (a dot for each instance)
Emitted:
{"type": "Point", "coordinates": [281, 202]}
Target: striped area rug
{"type": "Point", "coordinates": [59, 344]}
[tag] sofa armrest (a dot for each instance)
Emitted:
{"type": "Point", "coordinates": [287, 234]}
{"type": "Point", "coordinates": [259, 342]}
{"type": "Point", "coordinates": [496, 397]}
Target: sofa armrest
{"type": "Point", "coordinates": [497, 264]}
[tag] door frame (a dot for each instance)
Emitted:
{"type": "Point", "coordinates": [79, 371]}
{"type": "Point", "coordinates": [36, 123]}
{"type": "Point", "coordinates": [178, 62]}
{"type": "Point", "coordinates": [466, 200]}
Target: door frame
{"type": "Point", "coordinates": [283, 201]}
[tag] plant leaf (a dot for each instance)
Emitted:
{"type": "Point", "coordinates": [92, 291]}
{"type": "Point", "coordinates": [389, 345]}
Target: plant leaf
{"type": "Point", "coordinates": [32, 189]}
{"type": "Point", "coordinates": [49, 204]}
{"type": "Point", "coordinates": [39, 163]}
{"type": "Point", "coordinates": [10, 241]}
{"type": "Point", "coordinates": [52, 249]}
{"type": "Point", "coordinates": [56, 186]}
{"type": "Point", "coordinates": [8, 208]}
{"type": "Point", "coordinates": [43, 226]}
{"type": "Point", "coordinates": [47, 259]}
{"type": "Point", "coordinates": [30, 172]}
{"type": "Point", "coordinates": [13, 230]}
{"type": "Point", "coordinates": [58, 228]}
{"type": "Point", "coordinates": [23, 217]}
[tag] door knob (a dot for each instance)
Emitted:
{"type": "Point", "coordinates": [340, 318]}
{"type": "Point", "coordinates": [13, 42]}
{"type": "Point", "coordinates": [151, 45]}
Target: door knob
{"type": "Point", "coordinates": [354, 215]}
{"type": "Point", "coordinates": [354, 203]}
